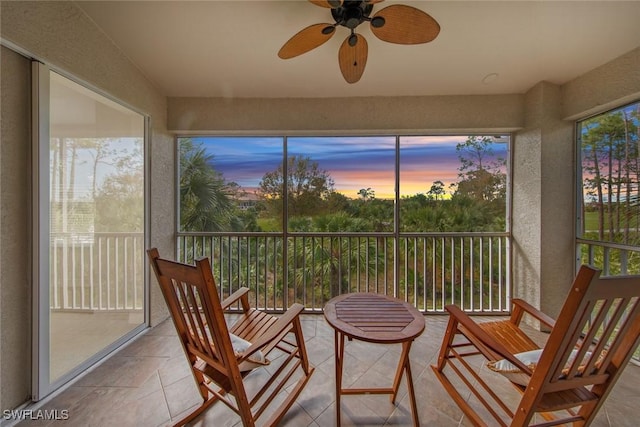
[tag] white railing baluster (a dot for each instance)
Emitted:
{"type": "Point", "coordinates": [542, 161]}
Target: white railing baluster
{"type": "Point", "coordinates": [490, 280]}
{"type": "Point", "coordinates": [91, 279]}
{"type": "Point", "coordinates": [462, 274]}
{"type": "Point", "coordinates": [117, 272]}
{"type": "Point", "coordinates": [73, 272]}
{"type": "Point", "coordinates": [481, 275]}
{"type": "Point", "coordinates": [82, 301]}
{"type": "Point", "coordinates": [56, 284]}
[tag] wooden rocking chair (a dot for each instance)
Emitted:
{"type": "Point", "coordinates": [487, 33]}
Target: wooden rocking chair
{"type": "Point", "coordinates": [221, 357]}
{"type": "Point", "coordinates": [567, 380]}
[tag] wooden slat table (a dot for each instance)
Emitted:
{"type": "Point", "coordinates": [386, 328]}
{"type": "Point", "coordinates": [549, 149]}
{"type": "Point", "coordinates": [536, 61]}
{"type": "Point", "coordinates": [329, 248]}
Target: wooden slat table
{"type": "Point", "coordinates": [377, 319]}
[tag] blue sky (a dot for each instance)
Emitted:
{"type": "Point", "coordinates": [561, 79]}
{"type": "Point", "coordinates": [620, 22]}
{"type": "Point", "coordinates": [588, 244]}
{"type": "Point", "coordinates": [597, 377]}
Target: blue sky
{"type": "Point", "coordinates": [353, 162]}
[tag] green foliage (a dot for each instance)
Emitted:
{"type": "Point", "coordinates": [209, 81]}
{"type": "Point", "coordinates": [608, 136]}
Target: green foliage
{"type": "Point", "coordinates": [337, 202]}
{"type": "Point", "coordinates": [339, 222]}
{"type": "Point", "coordinates": [269, 224]}
{"type": "Point", "coordinates": [376, 213]}
{"type": "Point", "coordinates": [459, 214]}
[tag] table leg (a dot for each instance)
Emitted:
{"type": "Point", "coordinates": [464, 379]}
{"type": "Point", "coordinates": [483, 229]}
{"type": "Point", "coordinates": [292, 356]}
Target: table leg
{"type": "Point", "coordinates": [404, 366]}
{"type": "Point", "coordinates": [339, 352]}
{"type": "Point", "coordinates": [412, 395]}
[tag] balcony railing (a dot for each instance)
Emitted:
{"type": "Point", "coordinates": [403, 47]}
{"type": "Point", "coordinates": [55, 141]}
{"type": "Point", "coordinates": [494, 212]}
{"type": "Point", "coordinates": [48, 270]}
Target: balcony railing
{"type": "Point", "coordinates": [105, 271]}
{"type": "Point", "coordinates": [613, 259]}
{"type": "Point", "coordinates": [429, 270]}
{"type": "Point", "coordinates": [97, 271]}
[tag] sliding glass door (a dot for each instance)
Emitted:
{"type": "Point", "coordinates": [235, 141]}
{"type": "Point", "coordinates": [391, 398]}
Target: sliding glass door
{"type": "Point", "coordinates": [89, 222]}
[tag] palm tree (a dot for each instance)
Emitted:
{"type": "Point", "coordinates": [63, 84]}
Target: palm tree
{"type": "Point", "coordinates": [366, 193]}
{"type": "Point", "coordinates": [205, 197]}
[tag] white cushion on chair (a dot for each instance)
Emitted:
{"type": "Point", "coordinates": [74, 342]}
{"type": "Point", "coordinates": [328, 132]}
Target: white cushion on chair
{"type": "Point", "coordinates": [239, 346]}
{"type": "Point", "coordinates": [530, 359]}
{"type": "Point", "coordinates": [256, 359]}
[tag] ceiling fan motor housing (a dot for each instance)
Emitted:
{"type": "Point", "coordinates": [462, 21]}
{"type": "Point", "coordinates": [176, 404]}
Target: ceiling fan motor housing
{"type": "Point", "coordinates": [352, 13]}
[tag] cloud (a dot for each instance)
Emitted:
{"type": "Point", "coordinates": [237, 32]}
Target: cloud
{"type": "Point", "coordinates": [353, 162]}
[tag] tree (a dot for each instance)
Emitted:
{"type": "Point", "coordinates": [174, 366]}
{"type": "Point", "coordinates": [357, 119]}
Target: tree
{"type": "Point", "coordinates": [366, 193]}
{"type": "Point", "coordinates": [206, 202]}
{"type": "Point", "coordinates": [481, 174]}
{"type": "Point", "coordinates": [308, 187]}
{"type": "Point", "coordinates": [436, 190]}
{"type": "Point", "coordinates": [120, 203]}
{"type": "Point", "coordinates": [337, 202]}
{"type": "Point", "coordinates": [119, 197]}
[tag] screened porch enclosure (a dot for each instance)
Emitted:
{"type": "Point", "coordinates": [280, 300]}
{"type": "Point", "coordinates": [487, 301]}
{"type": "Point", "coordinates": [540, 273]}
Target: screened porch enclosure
{"type": "Point", "coordinates": [306, 218]}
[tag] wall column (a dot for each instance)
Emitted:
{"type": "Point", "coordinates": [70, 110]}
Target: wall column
{"type": "Point", "coordinates": [543, 201]}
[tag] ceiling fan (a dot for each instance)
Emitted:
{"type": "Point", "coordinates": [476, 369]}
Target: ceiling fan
{"type": "Point", "coordinates": [394, 24]}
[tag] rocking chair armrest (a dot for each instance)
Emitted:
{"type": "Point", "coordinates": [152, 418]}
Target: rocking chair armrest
{"type": "Point", "coordinates": [234, 297]}
{"type": "Point", "coordinates": [520, 304]}
{"type": "Point", "coordinates": [480, 335]}
{"type": "Point", "coordinates": [278, 329]}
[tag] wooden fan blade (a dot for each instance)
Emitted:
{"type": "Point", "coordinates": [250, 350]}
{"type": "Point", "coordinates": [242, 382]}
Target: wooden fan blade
{"type": "Point", "coordinates": [331, 4]}
{"type": "Point", "coordinates": [405, 25]}
{"type": "Point", "coordinates": [306, 40]}
{"type": "Point", "coordinates": [353, 59]}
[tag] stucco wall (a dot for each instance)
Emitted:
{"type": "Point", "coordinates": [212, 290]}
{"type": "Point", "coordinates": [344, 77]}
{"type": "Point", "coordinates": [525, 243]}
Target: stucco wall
{"type": "Point", "coordinates": [60, 35]}
{"type": "Point", "coordinates": [557, 210]}
{"type": "Point", "coordinates": [543, 201]}
{"type": "Point", "coordinates": [606, 87]}
{"type": "Point", "coordinates": [387, 114]}
{"type": "Point", "coordinates": [15, 287]}
{"type": "Point", "coordinates": [526, 218]}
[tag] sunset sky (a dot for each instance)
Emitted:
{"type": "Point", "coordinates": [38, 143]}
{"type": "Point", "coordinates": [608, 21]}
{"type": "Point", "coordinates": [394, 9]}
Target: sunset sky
{"type": "Point", "coordinates": [352, 162]}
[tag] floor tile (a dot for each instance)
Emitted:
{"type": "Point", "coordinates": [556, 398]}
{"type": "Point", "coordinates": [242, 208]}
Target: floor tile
{"type": "Point", "coordinates": [149, 383]}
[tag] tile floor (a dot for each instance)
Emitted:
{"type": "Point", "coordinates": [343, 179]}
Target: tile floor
{"type": "Point", "coordinates": [148, 383]}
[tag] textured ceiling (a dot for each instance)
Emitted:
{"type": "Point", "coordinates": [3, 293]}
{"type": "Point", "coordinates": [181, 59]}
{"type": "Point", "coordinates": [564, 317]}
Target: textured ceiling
{"type": "Point", "coordinates": [229, 48]}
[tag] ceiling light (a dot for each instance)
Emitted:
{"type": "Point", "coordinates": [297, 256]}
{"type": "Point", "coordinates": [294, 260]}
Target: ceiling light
{"type": "Point", "coordinates": [490, 78]}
